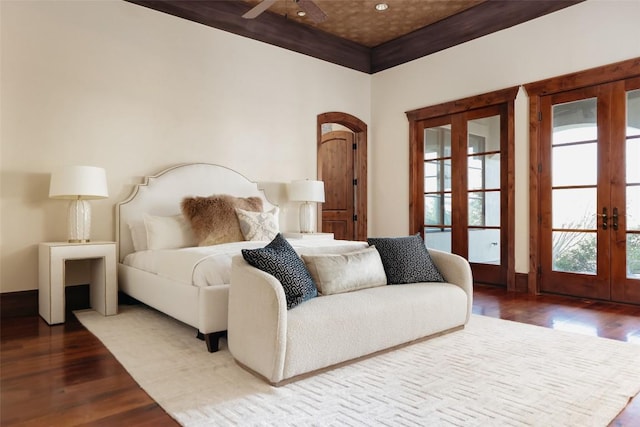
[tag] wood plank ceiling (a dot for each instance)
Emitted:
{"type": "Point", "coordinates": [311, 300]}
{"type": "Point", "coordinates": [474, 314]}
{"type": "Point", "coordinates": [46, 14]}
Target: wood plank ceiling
{"type": "Point", "coordinates": [355, 34]}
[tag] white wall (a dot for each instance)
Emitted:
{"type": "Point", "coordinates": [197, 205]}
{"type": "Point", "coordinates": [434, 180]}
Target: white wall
{"type": "Point", "coordinates": [112, 84]}
{"type": "Point", "coordinates": [116, 85]}
{"type": "Point", "coordinates": [583, 36]}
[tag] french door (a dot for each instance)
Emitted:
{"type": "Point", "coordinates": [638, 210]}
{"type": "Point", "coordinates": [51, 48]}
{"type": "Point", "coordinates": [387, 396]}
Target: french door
{"type": "Point", "coordinates": [590, 192]}
{"type": "Point", "coordinates": [464, 177]}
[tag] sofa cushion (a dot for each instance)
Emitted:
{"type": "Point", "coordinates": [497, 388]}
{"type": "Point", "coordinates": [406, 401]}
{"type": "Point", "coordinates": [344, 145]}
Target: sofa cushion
{"type": "Point", "coordinates": [336, 273]}
{"type": "Point", "coordinates": [406, 260]}
{"type": "Point", "coordinates": [280, 260]}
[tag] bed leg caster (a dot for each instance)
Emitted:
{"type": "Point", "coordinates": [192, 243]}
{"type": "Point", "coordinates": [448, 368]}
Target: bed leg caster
{"type": "Point", "coordinates": [212, 340]}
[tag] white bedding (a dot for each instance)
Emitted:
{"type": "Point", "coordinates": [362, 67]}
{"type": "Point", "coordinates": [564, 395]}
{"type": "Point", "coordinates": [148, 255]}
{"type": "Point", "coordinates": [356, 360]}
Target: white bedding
{"type": "Point", "coordinates": [211, 265]}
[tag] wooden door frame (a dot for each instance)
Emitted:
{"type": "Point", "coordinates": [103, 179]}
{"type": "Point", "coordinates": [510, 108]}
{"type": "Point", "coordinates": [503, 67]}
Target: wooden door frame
{"type": "Point", "coordinates": [536, 90]}
{"type": "Point", "coordinates": [416, 170]}
{"type": "Point", "coordinates": [359, 128]}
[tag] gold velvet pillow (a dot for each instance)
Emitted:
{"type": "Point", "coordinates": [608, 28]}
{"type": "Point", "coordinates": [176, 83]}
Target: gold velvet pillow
{"type": "Point", "coordinates": [337, 273]}
{"type": "Point", "coordinates": [213, 219]}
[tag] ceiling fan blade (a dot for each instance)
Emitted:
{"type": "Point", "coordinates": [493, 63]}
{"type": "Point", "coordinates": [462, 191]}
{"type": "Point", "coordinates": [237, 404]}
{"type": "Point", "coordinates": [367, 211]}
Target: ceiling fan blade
{"type": "Point", "coordinates": [258, 9]}
{"type": "Point", "coordinates": [313, 11]}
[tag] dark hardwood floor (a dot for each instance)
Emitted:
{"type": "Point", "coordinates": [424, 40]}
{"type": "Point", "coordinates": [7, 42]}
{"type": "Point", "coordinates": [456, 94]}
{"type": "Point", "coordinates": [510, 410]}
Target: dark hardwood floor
{"type": "Point", "coordinates": [64, 376]}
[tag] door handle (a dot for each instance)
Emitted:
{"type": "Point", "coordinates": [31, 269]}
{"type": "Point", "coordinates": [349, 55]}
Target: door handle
{"type": "Point", "coordinates": [605, 218]}
{"type": "Point", "coordinates": [614, 217]}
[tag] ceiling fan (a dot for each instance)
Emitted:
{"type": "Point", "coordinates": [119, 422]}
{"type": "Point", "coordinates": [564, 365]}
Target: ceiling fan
{"type": "Point", "coordinates": [308, 6]}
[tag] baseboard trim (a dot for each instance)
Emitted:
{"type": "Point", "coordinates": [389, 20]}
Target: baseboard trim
{"type": "Point", "coordinates": [25, 303]}
{"type": "Point", "coordinates": [18, 304]}
{"type": "Point", "coordinates": [522, 282]}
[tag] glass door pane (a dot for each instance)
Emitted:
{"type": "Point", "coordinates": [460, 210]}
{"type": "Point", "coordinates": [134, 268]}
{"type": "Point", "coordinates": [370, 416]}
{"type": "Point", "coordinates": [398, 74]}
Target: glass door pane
{"type": "Point", "coordinates": [437, 187]}
{"type": "Point", "coordinates": [632, 211]}
{"type": "Point", "coordinates": [483, 190]}
{"type": "Point", "coordinates": [574, 179]}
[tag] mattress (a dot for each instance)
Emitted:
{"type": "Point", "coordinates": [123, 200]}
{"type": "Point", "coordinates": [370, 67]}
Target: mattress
{"type": "Point", "coordinates": [211, 265]}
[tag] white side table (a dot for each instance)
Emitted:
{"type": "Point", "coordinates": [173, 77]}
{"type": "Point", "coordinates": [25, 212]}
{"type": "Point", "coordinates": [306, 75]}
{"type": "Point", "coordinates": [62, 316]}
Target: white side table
{"type": "Point", "coordinates": [307, 236]}
{"type": "Point", "coordinates": [103, 287]}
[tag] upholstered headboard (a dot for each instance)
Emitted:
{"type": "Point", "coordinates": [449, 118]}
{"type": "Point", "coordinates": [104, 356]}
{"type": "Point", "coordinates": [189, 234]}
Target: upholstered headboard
{"type": "Point", "coordinates": [162, 194]}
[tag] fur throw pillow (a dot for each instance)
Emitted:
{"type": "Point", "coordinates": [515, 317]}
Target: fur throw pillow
{"type": "Point", "coordinates": [213, 219]}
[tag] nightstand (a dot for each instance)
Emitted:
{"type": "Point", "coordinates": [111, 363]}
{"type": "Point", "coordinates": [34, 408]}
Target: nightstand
{"type": "Point", "coordinates": [307, 236]}
{"type": "Point", "coordinates": [52, 262]}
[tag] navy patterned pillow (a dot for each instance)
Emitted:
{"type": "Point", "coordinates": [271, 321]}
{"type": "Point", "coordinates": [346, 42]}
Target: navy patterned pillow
{"type": "Point", "coordinates": [406, 260]}
{"type": "Point", "coordinates": [280, 260]}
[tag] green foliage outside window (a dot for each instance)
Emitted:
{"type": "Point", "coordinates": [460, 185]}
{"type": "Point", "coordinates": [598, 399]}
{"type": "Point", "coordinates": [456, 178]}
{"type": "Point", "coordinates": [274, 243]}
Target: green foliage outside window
{"type": "Point", "coordinates": [576, 252]}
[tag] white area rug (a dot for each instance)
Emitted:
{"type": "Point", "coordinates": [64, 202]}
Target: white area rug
{"type": "Point", "coordinates": [492, 373]}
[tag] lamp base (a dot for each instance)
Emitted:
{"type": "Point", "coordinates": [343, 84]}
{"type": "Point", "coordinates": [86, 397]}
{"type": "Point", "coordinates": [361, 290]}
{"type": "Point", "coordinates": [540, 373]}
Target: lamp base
{"type": "Point", "coordinates": [79, 221]}
{"type": "Point", "coordinates": [307, 218]}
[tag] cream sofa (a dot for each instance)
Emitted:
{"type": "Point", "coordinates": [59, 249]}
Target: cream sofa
{"type": "Point", "coordinates": [281, 345]}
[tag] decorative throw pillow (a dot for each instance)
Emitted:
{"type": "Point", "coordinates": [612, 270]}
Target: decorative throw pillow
{"type": "Point", "coordinates": [406, 260]}
{"type": "Point", "coordinates": [258, 225]}
{"type": "Point", "coordinates": [168, 232]}
{"type": "Point", "coordinates": [213, 219]}
{"type": "Point", "coordinates": [280, 260]}
{"type": "Point", "coordinates": [336, 273]}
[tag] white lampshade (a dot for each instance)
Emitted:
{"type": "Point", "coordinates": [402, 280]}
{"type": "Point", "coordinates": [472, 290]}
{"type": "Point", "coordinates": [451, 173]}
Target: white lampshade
{"type": "Point", "coordinates": [306, 190]}
{"type": "Point", "coordinates": [309, 192]}
{"type": "Point", "coordinates": [79, 184]}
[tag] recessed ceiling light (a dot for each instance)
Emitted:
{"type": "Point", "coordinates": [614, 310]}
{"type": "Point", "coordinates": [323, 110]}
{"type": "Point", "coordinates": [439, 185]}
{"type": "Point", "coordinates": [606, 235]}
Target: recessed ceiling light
{"type": "Point", "coordinates": [301, 13]}
{"type": "Point", "coordinates": [382, 6]}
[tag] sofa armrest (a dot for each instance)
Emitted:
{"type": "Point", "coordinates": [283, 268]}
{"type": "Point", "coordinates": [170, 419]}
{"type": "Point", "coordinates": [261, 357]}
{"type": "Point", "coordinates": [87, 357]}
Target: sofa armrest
{"type": "Point", "coordinates": [456, 270]}
{"type": "Point", "coordinates": [257, 326]}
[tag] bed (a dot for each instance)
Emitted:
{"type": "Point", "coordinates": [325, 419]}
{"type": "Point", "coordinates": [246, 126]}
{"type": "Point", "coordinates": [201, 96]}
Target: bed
{"type": "Point", "coordinates": [189, 283]}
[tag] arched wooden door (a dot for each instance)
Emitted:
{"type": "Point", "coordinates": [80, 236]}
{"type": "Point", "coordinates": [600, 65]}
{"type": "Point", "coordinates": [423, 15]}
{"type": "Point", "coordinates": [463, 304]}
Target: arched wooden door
{"type": "Point", "coordinates": [342, 165]}
{"type": "Point", "coordinates": [336, 165]}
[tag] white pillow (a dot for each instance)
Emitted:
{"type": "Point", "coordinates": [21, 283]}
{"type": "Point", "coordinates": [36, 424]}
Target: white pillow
{"type": "Point", "coordinates": [258, 225]}
{"type": "Point", "coordinates": [168, 232]}
{"type": "Point", "coordinates": [138, 235]}
{"type": "Point", "coordinates": [336, 273]}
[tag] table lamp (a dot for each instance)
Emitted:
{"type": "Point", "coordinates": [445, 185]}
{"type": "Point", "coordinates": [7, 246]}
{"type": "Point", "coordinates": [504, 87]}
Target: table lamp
{"type": "Point", "coordinates": [309, 192]}
{"type": "Point", "coordinates": [79, 184]}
